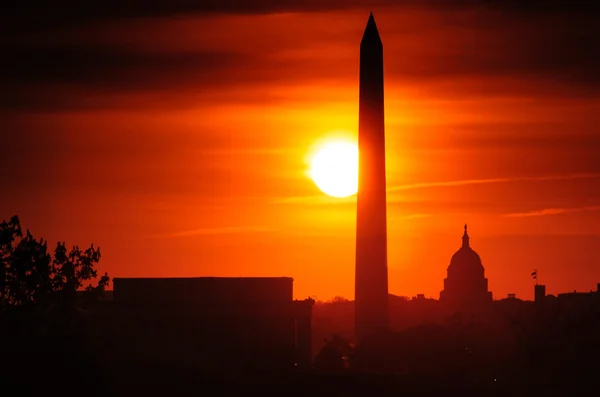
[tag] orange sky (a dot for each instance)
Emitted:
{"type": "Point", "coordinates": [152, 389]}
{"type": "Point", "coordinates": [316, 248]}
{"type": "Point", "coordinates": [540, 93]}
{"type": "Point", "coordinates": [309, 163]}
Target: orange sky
{"type": "Point", "coordinates": [178, 144]}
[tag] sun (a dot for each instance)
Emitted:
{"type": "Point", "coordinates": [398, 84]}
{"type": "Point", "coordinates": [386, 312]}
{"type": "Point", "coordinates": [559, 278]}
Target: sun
{"type": "Point", "coordinates": [334, 168]}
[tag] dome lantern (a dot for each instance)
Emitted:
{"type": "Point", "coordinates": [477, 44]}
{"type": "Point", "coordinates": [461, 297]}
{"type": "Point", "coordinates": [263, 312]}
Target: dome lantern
{"type": "Point", "coordinates": [465, 238]}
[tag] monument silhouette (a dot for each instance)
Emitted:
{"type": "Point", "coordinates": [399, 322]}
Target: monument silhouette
{"type": "Point", "coordinates": [371, 278]}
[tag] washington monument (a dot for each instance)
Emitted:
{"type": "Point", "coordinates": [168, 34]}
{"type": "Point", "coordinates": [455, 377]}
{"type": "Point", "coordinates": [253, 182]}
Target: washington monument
{"type": "Point", "coordinates": [371, 278]}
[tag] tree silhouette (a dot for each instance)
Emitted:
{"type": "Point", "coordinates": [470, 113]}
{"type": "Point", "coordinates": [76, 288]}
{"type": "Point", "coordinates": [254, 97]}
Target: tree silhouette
{"type": "Point", "coordinates": [334, 355]}
{"type": "Point", "coordinates": [29, 274]}
{"type": "Point", "coordinates": [42, 324]}
{"type": "Point", "coordinates": [338, 299]}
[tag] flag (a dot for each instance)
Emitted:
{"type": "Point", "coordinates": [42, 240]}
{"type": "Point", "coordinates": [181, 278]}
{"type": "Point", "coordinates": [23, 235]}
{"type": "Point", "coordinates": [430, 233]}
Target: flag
{"type": "Point", "coordinates": [534, 275]}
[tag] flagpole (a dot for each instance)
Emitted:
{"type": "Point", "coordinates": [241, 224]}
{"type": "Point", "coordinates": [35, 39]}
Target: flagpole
{"type": "Point", "coordinates": [535, 276]}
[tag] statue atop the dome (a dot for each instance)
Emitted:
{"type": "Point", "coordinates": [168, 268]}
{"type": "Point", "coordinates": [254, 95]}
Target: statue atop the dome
{"type": "Point", "coordinates": [465, 238]}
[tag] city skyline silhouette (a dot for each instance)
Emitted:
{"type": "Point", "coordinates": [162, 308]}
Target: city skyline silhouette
{"type": "Point", "coordinates": [173, 136]}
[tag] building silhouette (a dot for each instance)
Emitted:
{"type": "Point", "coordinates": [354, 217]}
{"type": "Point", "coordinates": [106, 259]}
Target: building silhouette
{"type": "Point", "coordinates": [466, 287]}
{"type": "Point", "coordinates": [214, 325]}
{"type": "Point", "coordinates": [371, 277]}
{"type": "Point", "coordinates": [539, 293]}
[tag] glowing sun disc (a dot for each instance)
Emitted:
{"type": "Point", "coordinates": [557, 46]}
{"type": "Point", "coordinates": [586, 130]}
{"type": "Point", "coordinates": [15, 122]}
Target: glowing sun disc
{"type": "Point", "coordinates": [334, 169]}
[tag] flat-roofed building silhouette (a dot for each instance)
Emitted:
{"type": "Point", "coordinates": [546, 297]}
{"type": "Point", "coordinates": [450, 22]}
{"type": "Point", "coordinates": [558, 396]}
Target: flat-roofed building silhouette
{"type": "Point", "coordinates": [215, 325]}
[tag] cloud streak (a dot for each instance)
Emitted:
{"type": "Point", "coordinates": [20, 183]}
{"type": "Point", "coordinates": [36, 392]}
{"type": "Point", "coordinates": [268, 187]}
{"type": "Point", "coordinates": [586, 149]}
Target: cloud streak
{"type": "Point", "coordinates": [70, 11]}
{"type": "Point", "coordinates": [491, 181]}
{"type": "Point", "coordinates": [417, 216]}
{"type": "Point", "coordinates": [553, 211]}
{"type": "Point", "coordinates": [314, 200]}
{"type": "Point", "coordinates": [216, 231]}
{"type": "Point", "coordinates": [326, 200]}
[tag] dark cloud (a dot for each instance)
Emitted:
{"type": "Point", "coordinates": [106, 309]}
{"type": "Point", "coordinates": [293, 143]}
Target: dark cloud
{"type": "Point", "coordinates": [39, 14]}
{"type": "Point", "coordinates": [54, 77]}
{"type": "Point", "coordinates": [550, 46]}
{"type": "Point", "coordinates": [561, 7]}
{"type": "Point", "coordinates": [101, 65]}
{"type": "Point", "coordinates": [559, 49]}
{"type": "Point", "coordinates": [569, 56]}
{"type": "Point", "coordinates": [535, 138]}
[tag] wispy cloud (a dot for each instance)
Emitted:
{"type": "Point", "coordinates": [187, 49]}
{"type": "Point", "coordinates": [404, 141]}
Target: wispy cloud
{"type": "Point", "coordinates": [324, 200]}
{"type": "Point", "coordinates": [316, 200]}
{"type": "Point", "coordinates": [216, 230]}
{"type": "Point", "coordinates": [491, 180]}
{"type": "Point", "coordinates": [416, 216]}
{"type": "Point", "coordinates": [553, 211]}
{"type": "Point", "coordinates": [250, 150]}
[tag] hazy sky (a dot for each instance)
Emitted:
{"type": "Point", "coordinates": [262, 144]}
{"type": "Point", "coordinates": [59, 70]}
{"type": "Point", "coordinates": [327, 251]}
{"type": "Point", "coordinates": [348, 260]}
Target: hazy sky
{"type": "Point", "coordinates": [175, 134]}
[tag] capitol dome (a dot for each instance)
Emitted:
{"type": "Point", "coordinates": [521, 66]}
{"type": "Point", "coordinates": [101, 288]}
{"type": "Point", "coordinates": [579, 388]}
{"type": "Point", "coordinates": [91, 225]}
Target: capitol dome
{"type": "Point", "coordinates": [465, 259]}
{"type": "Point", "coordinates": [466, 285]}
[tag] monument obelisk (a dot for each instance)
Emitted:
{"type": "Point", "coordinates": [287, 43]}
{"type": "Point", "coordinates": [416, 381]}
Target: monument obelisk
{"type": "Point", "coordinates": [371, 279]}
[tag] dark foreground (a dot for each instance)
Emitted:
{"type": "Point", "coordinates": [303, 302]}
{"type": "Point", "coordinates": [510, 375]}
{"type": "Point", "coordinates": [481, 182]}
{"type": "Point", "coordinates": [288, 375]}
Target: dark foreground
{"type": "Point", "coordinates": [44, 375]}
